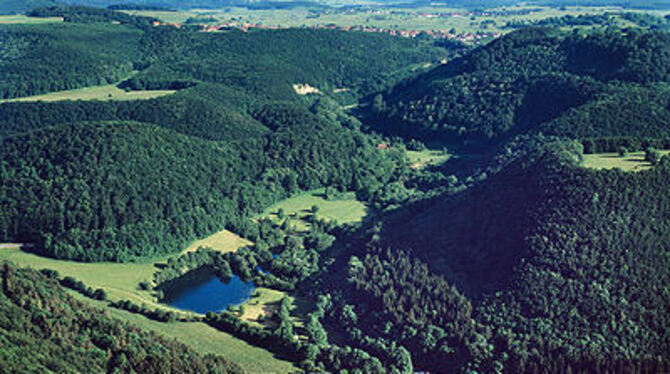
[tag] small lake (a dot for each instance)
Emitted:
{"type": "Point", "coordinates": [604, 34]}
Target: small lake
{"type": "Point", "coordinates": [202, 291]}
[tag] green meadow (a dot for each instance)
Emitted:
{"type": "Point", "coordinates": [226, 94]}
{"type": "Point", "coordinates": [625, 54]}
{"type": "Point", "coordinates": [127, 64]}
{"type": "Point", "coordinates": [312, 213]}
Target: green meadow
{"type": "Point", "coordinates": [345, 209]}
{"type": "Point", "coordinates": [21, 19]}
{"type": "Point", "coordinates": [204, 339]}
{"type": "Point", "coordinates": [121, 281]}
{"type": "Point", "coordinates": [633, 162]}
{"type": "Point", "coordinates": [428, 157]}
{"type": "Point", "coordinates": [103, 93]}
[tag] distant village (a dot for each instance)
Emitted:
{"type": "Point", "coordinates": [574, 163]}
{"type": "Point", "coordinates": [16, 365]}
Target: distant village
{"type": "Point", "coordinates": [470, 38]}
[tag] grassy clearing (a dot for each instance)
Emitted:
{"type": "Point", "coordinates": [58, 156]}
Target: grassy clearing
{"type": "Point", "coordinates": [633, 162]}
{"type": "Point", "coordinates": [264, 302]}
{"type": "Point", "coordinates": [204, 339]}
{"type": "Point", "coordinates": [165, 16]}
{"type": "Point", "coordinates": [120, 281]}
{"type": "Point", "coordinates": [223, 241]}
{"type": "Point", "coordinates": [22, 19]}
{"type": "Point", "coordinates": [344, 210]}
{"type": "Point", "coordinates": [428, 157]}
{"type": "Point", "coordinates": [103, 93]}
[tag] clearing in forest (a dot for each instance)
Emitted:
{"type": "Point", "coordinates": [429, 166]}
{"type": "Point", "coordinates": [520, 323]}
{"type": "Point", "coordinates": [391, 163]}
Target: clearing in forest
{"type": "Point", "coordinates": [345, 209]}
{"type": "Point", "coordinates": [634, 161]}
{"type": "Point", "coordinates": [22, 19]}
{"type": "Point", "coordinates": [304, 89]}
{"type": "Point", "coordinates": [121, 282]}
{"type": "Point", "coordinates": [203, 339]}
{"type": "Point", "coordinates": [108, 92]}
{"type": "Point", "coordinates": [428, 157]}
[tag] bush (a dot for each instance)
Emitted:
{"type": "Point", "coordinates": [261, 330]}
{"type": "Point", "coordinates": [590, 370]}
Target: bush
{"type": "Point", "coordinates": [653, 155]}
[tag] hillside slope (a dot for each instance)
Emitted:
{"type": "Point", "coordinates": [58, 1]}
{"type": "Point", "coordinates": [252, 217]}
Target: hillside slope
{"type": "Point", "coordinates": [529, 78]}
{"type": "Point", "coordinates": [113, 191]}
{"type": "Point", "coordinates": [42, 329]}
{"type": "Point", "coordinates": [566, 266]}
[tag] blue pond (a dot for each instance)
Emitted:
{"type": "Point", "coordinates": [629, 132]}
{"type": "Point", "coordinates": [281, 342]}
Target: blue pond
{"type": "Point", "coordinates": [202, 291]}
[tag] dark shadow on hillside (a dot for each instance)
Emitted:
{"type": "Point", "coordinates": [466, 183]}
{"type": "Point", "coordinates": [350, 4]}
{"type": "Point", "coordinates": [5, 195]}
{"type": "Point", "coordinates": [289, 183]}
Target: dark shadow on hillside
{"type": "Point", "coordinates": [475, 238]}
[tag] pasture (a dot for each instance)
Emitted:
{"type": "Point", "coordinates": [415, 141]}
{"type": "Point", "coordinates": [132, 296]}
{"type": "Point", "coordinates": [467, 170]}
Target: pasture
{"type": "Point", "coordinates": [344, 210]}
{"type": "Point", "coordinates": [102, 93]}
{"type": "Point", "coordinates": [223, 241]}
{"type": "Point", "coordinates": [633, 162]}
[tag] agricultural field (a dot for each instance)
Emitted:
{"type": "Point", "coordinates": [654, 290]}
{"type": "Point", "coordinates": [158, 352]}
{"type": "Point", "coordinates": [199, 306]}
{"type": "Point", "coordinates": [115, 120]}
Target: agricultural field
{"type": "Point", "coordinates": [103, 93]}
{"type": "Point", "coordinates": [344, 210]}
{"type": "Point", "coordinates": [417, 18]}
{"type": "Point", "coordinates": [223, 241]}
{"type": "Point", "coordinates": [633, 162]}
{"type": "Point", "coordinates": [204, 339]}
{"type": "Point", "coordinates": [21, 19]}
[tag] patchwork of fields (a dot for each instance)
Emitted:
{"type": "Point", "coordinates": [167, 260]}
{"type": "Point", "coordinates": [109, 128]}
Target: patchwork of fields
{"type": "Point", "coordinates": [411, 18]}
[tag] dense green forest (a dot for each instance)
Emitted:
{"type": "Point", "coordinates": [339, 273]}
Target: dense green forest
{"type": "Point", "coordinates": [538, 79]}
{"type": "Point", "coordinates": [510, 257]}
{"type": "Point", "coordinates": [545, 266]}
{"type": "Point", "coordinates": [43, 329]}
{"type": "Point", "coordinates": [20, 6]}
{"type": "Point", "coordinates": [114, 191]}
{"type": "Point", "coordinates": [262, 62]}
{"type": "Point", "coordinates": [236, 90]}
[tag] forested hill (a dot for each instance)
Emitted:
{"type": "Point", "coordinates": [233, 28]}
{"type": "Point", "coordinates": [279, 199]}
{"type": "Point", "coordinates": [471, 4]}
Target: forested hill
{"type": "Point", "coordinates": [44, 58]}
{"type": "Point", "coordinates": [543, 267]}
{"type": "Point", "coordinates": [20, 6]}
{"type": "Point", "coordinates": [539, 79]}
{"type": "Point", "coordinates": [115, 191]}
{"type": "Point", "coordinates": [242, 137]}
{"type": "Point", "coordinates": [42, 329]}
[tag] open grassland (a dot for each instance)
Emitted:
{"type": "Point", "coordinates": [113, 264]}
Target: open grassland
{"type": "Point", "coordinates": [21, 19]}
{"type": "Point", "coordinates": [633, 162]}
{"type": "Point", "coordinates": [428, 157]}
{"type": "Point", "coordinates": [165, 16]}
{"type": "Point", "coordinates": [204, 339]}
{"type": "Point", "coordinates": [344, 210]}
{"type": "Point", "coordinates": [223, 241]}
{"type": "Point", "coordinates": [103, 93]}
